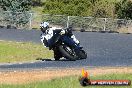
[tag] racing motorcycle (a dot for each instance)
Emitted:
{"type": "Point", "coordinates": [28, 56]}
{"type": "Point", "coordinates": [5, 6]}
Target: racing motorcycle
{"type": "Point", "coordinates": [69, 50]}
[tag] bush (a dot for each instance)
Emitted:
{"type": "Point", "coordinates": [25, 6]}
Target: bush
{"type": "Point", "coordinates": [67, 7]}
{"type": "Point", "coordinates": [16, 11]}
{"type": "Point", "coordinates": [124, 9]}
{"type": "Point", "coordinates": [104, 9]}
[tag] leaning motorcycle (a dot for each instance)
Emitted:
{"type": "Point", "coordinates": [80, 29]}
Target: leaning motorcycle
{"type": "Point", "coordinates": [68, 50]}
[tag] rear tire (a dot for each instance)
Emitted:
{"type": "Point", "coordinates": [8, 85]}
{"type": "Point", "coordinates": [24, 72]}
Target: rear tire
{"type": "Point", "coordinates": [68, 54]}
{"type": "Point", "coordinates": [57, 54]}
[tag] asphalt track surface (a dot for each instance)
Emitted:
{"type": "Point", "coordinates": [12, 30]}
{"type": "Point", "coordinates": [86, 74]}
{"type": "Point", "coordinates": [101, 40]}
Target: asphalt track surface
{"type": "Point", "coordinates": [103, 49]}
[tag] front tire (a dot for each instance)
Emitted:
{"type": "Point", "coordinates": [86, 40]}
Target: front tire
{"type": "Point", "coordinates": [67, 52]}
{"type": "Point", "coordinates": [82, 54]}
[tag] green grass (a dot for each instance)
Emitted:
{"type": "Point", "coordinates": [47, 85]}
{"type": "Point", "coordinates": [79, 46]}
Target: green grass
{"type": "Point", "coordinates": [37, 9]}
{"type": "Point", "coordinates": [16, 52]}
{"type": "Point", "coordinates": [71, 82]}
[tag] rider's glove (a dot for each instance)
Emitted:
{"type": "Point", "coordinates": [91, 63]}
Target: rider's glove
{"type": "Point", "coordinates": [62, 32]}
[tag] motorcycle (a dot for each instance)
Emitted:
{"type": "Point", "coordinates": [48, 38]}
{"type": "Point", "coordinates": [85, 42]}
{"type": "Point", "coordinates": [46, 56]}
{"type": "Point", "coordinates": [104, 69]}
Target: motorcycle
{"type": "Point", "coordinates": [64, 46]}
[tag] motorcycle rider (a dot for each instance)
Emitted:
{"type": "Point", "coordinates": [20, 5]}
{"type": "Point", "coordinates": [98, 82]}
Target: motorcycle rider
{"type": "Point", "coordinates": [48, 33]}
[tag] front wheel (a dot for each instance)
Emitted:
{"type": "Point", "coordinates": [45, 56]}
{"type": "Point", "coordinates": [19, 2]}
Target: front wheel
{"type": "Point", "coordinates": [68, 52]}
{"type": "Point", "coordinates": [82, 54]}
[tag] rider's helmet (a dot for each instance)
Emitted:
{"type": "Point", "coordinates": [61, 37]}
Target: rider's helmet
{"type": "Point", "coordinates": [44, 26]}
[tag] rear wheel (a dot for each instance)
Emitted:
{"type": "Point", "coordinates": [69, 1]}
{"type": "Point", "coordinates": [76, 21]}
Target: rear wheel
{"type": "Point", "coordinates": [68, 52]}
{"type": "Point", "coordinates": [57, 54]}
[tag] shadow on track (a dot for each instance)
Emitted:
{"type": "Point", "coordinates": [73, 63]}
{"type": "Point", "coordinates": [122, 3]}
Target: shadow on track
{"type": "Point", "coordinates": [41, 59]}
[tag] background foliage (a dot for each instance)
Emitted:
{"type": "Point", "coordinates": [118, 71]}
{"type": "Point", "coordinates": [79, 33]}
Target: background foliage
{"type": "Point", "coordinates": [14, 9]}
{"type": "Point", "coordinates": [97, 8]}
{"type": "Point", "coordinates": [15, 5]}
{"type": "Point", "coordinates": [124, 9]}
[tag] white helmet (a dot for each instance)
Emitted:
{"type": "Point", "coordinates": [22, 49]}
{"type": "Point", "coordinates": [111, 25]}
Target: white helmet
{"type": "Point", "coordinates": [44, 24]}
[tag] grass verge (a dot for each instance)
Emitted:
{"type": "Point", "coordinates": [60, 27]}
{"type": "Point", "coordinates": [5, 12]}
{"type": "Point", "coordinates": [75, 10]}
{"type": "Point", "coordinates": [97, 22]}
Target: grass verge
{"type": "Point", "coordinates": [19, 52]}
{"type": "Point", "coordinates": [71, 82]}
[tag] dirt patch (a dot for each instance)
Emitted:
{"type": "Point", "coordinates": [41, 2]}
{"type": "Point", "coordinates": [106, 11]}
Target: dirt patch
{"type": "Point", "coordinates": [43, 75]}
{"type": "Point", "coordinates": [125, 29]}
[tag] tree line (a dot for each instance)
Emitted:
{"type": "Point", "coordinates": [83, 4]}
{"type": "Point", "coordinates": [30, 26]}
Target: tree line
{"type": "Point", "coordinates": [96, 8]}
